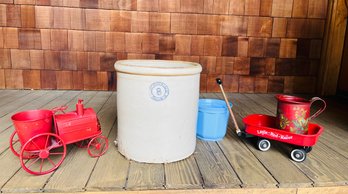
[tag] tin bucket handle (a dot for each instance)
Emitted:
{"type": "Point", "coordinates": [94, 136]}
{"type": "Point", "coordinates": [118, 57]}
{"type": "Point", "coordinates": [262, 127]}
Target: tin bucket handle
{"type": "Point", "coordinates": [320, 110]}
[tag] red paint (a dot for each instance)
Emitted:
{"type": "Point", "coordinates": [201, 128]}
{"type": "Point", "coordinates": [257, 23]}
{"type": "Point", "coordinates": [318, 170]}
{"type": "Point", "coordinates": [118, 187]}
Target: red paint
{"type": "Point", "coordinates": [265, 126]}
{"type": "Point", "coordinates": [293, 113]}
{"type": "Point", "coordinates": [30, 123]}
{"type": "Point", "coordinates": [38, 139]}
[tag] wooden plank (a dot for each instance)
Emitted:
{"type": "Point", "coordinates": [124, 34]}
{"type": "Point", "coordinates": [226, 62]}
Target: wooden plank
{"type": "Point", "coordinates": [333, 190]}
{"type": "Point", "coordinates": [120, 21]}
{"type": "Point", "coordinates": [248, 168]}
{"type": "Point", "coordinates": [5, 109]}
{"type": "Point", "coordinates": [260, 26]}
{"type": "Point", "coordinates": [45, 38]}
{"type": "Point", "coordinates": [52, 60]}
{"type": "Point", "coordinates": [279, 27]}
{"type": "Point", "coordinates": [325, 167]}
{"type": "Point", "coordinates": [266, 7]}
{"type": "Point", "coordinates": [212, 46]}
{"type": "Point", "coordinates": [159, 22]}
{"type": "Point", "coordinates": [300, 8]}
{"type": "Point", "coordinates": [282, 8]}
{"type": "Point", "coordinates": [284, 171]}
{"type": "Point", "coordinates": [192, 6]}
{"type": "Point", "coordinates": [20, 59]}
{"type": "Point", "coordinates": [9, 164]}
{"type": "Point", "coordinates": [3, 15]}
{"type": "Point", "coordinates": [28, 16]}
{"type": "Point", "coordinates": [237, 7]}
{"type": "Point", "coordinates": [64, 80]}
{"type": "Point", "coordinates": [317, 9]}
{"type": "Point", "coordinates": [36, 59]}
{"type": "Point", "coordinates": [12, 96]}
{"type": "Point", "coordinates": [150, 43]}
{"type": "Point", "coordinates": [78, 19]}
{"type": "Point", "coordinates": [28, 182]}
{"type": "Point", "coordinates": [150, 5]}
{"type": "Point", "coordinates": [44, 16]}
{"type": "Point", "coordinates": [59, 39]}
{"type": "Point", "coordinates": [183, 23]}
{"type": "Point", "coordinates": [111, 170]}
{"type": "Point", "coordinates": [97, 19]}
{"type": "Point", "coordinates": [287, 48]}
{"type": "Point", "coordinates": [5, 57]}
{"type": "Point", "coordinates": [10, 36]}
{"type": "Point", "coordinates": [78, 165]}
{"type": "Point", "coordinates": [234, 25]}
{"type": "Point", "coordinates": [61, 17]}
{"type": "Point", "coordinates": [332, 48]}
{"type": "Point", "coordinates": [214, 167]}
{"type": "Point", "coordinates": [13, 15]}
{"type": "Point", "coordinates": [144, 176]}
{"type": "Point", "coordinates": [4, 93]}
{"type": "Point", "coordinates": [183, 174]}
{"type": "Point", "coordinates": [89, 40]}
{"type": "Point", "coordinates": [217, 191]}
{"type": "Point", "coordinates": [140, 22]}
{"type": "Point", "coordinates": [252, 7]}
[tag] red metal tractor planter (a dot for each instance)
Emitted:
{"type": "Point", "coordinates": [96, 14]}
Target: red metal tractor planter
{"type": "Point", "coordinates": [43, 136]}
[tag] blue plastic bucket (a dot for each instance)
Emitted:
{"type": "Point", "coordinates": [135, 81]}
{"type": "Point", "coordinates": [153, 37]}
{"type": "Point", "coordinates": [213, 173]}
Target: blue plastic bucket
{"type": "Point", "coordinates": [212, 119]}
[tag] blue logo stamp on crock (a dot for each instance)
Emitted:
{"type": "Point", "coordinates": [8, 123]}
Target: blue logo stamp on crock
{"type": "Point", "coordinates": [159, 91]}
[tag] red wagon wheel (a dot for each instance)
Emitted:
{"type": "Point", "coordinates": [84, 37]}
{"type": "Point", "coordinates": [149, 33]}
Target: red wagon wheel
{"type": "Point", "coordinates": [15, 145]}
{"type": "Point", "coordinates": [98, 146]}
{"type": "Point", "coordinates": [44, 158]}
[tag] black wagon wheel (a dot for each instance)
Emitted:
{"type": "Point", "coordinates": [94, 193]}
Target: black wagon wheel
{"type": "Point", "coordinates": [307, 149]}
{"type": "Point", "coordinates": [47, 152]}
{"type": "Point", "coordinates": [298, 155]}
{"type": "Point", "coordinates": [263, 145]}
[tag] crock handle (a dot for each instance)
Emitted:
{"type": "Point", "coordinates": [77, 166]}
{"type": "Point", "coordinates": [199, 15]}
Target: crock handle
{"type": "Point", "coordinates": [320, 110]}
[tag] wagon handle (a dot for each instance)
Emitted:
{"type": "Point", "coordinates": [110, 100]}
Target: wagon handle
{"type": "Point", "coordinates": [238, 131]}
{"type": "Point", "coordinates": [320, 110]}
{"type": "Point", "coordinates": [59, 108]}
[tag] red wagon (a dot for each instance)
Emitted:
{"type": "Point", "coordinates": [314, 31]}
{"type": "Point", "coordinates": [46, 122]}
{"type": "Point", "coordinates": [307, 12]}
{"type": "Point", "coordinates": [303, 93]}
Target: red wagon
{"type": "Point", "coordinates": [264, 127]}
{"type": "Point", "coordinates": [41, 136]}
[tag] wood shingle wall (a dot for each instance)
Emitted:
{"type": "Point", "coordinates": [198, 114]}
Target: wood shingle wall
{"type": "Point", "coordinates": [254, 45]}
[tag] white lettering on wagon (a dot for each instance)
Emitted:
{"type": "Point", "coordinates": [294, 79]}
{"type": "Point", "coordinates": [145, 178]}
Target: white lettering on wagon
{"type": "Point", "coordinates": [273, 134]}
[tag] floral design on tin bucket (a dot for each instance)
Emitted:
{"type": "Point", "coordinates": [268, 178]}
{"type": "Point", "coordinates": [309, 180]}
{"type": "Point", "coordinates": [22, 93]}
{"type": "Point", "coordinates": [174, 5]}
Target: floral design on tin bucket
{"type": "Point", "coordinates": [283, 121]}
{"type": "Point", "coordinates": [301, 122]}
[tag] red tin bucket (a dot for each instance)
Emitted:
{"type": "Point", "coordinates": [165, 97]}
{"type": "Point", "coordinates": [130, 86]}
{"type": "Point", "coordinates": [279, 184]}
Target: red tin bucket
{"type": "Point", "coordinates": [31, 123]}
{"type": "Point", "coordinates": [293, 113]}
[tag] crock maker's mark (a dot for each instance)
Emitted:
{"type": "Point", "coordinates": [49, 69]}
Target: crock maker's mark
{"type": "Point", "coordinates": [159, 91]}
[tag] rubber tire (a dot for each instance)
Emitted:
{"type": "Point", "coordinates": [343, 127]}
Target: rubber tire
{"type": "Point", "coordinates": [298, 155]}
{"type": "Point", "coordinates": [263, 145]}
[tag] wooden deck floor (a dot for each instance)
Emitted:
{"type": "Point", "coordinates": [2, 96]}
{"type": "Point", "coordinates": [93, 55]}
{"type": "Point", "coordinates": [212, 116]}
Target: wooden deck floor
{"type": "Point", "coordinates": [233, 163]}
